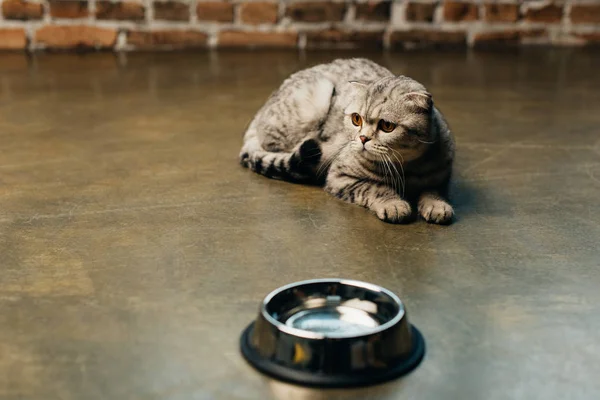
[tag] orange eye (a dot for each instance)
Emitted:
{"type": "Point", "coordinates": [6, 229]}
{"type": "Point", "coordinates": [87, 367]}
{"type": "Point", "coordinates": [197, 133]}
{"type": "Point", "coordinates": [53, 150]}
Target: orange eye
{"type": "Point", "coordinates": [356, 119]}
{"type": "Point", "coordinates": [386, 126]}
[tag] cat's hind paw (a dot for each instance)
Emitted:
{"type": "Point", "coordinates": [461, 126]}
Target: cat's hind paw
{"type": "Point", "coordinates": [245, 159]}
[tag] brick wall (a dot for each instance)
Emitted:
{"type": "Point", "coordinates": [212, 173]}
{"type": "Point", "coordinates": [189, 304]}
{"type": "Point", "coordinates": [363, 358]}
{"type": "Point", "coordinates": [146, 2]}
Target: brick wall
{"type": "Point", "coordinates": [404, 24]}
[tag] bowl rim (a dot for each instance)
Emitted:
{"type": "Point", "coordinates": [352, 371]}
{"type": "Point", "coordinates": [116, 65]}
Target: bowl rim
{"type": "Point", "coordinates": [320, 336]}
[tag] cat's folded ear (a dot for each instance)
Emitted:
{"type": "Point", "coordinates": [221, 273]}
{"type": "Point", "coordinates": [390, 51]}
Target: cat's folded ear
{"type": "Point", "coordinates": [420, 99]}
{"type": "Point", "coordinates": [357, 89]}
{"type": "Point", "coordinates": [409, 91]}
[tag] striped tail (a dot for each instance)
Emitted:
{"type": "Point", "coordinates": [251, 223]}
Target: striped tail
{"type": "Point", "coordinates": [297, 166]}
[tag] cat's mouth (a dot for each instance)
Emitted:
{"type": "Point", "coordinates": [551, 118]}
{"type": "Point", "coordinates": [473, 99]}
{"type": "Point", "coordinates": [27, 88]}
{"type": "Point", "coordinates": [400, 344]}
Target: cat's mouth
{"type": "Point", "coordinates": [397, 153]}
{"type": "Point", "coordinates": [360, 147]}
{"type": "Point", "coordinates": [371, 152]}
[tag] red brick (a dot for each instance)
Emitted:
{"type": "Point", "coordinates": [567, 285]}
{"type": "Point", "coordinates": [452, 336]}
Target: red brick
{"type": "Point", "coordinates": [373, 11]}
{"type": "Point", "coordinates": [122, 11]}
{"type": "Point", "coordinates": [458, 11]}
{"type": "Point", "coordinates": [75, 36]}
{"type": "Point", "coordinates": [585, 13]}
{"type": "Point", "coordinates": [215, 11]}
{"type": "Point", "coordinates": [23, 10]}
{"type": "Point", "coordinates": [258, 39]}
{"type": "Point", "coordinates": [167, 39]}
{"type": "Point", "coordinates": [334, 38]}
{"type": "Point", "coordinates": [533, 33]}
{"type": "Point", "coordinates": [420, 12]}
{"type": "Point", "coordinates": [68, 9]}
{"type": "Point", "coordinates": [550, 13]}
{"type": "Point", "coordinates": [171, 11]}
{"type": "Point", "coordinates": [12, 39]}
{"type": "Point", "coordinates": [501, 12]}
{"type": "Point", "coordinates": [591, 39]}
{"type": "Point", "coordinates": [316, 11]}
{"type": "Point", "coordinates": [507, 38]}
{"type": "Point", "coordinates": [428, 38]}
{"type": "Point", "coordinates": [258, 12]}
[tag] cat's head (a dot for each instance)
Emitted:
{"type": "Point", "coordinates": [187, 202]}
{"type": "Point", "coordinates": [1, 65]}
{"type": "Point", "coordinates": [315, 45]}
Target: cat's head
{"type": "Point", "coordinates": [391, 116]}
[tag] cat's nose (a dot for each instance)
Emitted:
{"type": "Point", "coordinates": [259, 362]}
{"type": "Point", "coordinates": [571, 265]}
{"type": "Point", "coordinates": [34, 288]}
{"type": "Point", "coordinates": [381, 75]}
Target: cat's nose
{"type": "Point", "coordinates": [364, 139]}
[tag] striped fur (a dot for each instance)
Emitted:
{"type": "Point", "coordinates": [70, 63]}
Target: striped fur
{"type": "Point", "coordinates": [305, 133]}
{"type": "Point", "coordinates": [296, 166]}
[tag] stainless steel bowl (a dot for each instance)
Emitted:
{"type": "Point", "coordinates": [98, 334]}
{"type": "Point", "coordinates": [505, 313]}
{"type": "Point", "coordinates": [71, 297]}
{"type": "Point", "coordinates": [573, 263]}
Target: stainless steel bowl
{"type": "Point", "coordinates": [332, 333]}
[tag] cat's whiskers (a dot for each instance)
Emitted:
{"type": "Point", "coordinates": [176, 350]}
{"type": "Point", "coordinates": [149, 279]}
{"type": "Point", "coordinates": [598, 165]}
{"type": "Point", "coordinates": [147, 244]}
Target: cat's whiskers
{"type": "Point", "coordinates": [402, 175]}
{"type": "Point", "coordinates": [392, 164]}
{"type": "Point", "coordinates": [381, 151]}
{"type": "Point", "coordinates": [400, 162]}
{"type": "Point", "coordinates": [392, 178]}
{"type": "Point", "coordinates": [392, 168]}
{"type": "Point", "coordinates": [386, 170]}
{"type": "Point", "coordinates": [389, 167]}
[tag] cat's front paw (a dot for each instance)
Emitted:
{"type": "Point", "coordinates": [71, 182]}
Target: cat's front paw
{"type": "Point", "coordinates": [436, 211]}
{"type": "Point", "coordinates": [394, 211]}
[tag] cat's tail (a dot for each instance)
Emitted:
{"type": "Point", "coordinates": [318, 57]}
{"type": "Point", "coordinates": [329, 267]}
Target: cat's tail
{"type": "Point", "coordinates": [296, 166]}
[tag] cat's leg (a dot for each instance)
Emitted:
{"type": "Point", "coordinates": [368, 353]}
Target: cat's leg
{"type": "Point", "coordinates": [296, 166]}
{"type": "Point", "coordinates": [279, 142]}
{"type": "Point", "coordinates": [435, 209]}
{"type": "Point", "coordinates": [383, 200]}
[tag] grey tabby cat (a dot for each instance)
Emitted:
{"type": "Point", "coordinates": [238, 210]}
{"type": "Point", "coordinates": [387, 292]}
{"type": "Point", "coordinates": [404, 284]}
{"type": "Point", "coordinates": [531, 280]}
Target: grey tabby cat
{"type": "Point", "coordinates": [373, 139]}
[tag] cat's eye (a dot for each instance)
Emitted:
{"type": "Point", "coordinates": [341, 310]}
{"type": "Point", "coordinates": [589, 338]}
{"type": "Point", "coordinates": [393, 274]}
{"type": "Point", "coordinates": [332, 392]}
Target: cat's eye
{"type": "Point", "coordinates": [356, 119]}
{"type": "Point", "coordinates": [386, 126]}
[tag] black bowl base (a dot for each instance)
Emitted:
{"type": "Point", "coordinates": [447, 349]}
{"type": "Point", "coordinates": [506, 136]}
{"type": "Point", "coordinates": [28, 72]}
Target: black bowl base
{"type": "Point", "coordinates": [304, 378]}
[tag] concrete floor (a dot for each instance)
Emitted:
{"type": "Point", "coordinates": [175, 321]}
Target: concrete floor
{"type": "Point", "coordinates": [134, 248]}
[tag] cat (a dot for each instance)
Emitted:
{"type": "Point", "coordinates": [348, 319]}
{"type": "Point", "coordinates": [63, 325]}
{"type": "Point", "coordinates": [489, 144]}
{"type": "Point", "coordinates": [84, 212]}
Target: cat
{"type": "Point", "coordinates": [369, 137]}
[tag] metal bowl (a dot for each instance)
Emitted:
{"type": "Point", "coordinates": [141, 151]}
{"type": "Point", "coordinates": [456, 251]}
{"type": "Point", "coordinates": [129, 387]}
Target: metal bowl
{"type": "Point", "coordinates": [332, 333]}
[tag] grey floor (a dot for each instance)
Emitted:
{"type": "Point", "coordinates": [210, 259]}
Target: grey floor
{"type": "Point", "coordinates": [134, 249]}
